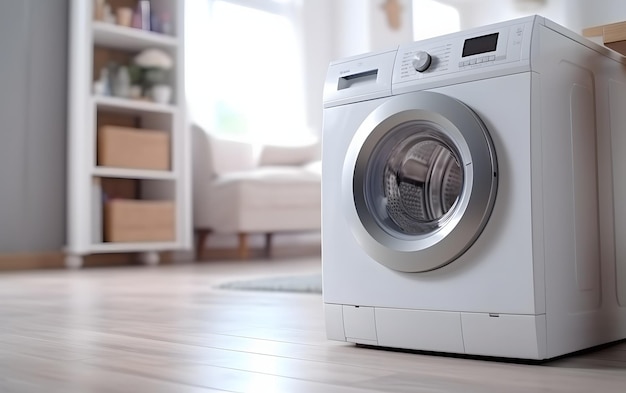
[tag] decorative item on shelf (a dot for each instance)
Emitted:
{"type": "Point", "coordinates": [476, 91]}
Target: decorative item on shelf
{"type": "Point", "coordinates": [155, 23]}
{"type": "Point", "coordinates": [114, 80]}
{"type": "Point", "coordinates": [161, 94]}
{"type": "Point", "coordinates": [143, 16]}
{"type": "Point", "coordinates": [109, 16]}
{"type": "Point", "coordinates": [101, 87]}
{"type": "Point", "coordinates": [155, 65]}
{"type": "Point", "coordinates": [166, 24]}
{"type": "Point", "coordinates": [121, 83]}
{"type": "Point", "coordinates": [136, 88]}
{"type": "Point", "coordinates": [112, 68]}
{"type": "Point", "coordinates": [136, 22]}
{"type": "Point", "coordinates": [98, 10]}
{"type": "Point", "coordinates": [134, 93]}
{"type": "Point", "coordinates": [124, 16]}
{"type": "Point", "coordinates": [145, 12]}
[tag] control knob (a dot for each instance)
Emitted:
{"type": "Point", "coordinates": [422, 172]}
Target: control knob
{"type": "Point", "coordinates": [421, 61]}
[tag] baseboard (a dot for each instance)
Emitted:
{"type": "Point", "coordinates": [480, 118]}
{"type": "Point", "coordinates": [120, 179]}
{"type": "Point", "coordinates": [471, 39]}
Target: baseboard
{"type": "Point", "coordinates": [43, 260]}
{"type": "Point", "coordinates": [56, 260]}
{"type": "Point", "coordinates": [277, 252]}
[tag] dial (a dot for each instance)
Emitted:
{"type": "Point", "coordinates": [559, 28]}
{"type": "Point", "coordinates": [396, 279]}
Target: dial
{"type": "Point", "coordinates": [421, 61]}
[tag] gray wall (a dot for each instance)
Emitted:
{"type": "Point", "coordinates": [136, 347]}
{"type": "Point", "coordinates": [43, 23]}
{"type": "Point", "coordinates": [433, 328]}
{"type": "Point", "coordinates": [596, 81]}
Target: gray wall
{"type": "Point", "coordinates": [33, 64]}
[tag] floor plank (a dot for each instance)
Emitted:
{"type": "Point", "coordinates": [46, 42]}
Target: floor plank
{"type": "Point", "coordinates": [170, 329]}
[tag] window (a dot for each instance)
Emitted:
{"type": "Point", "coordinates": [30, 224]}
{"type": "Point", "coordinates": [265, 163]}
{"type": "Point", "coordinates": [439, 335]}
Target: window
{"type": "Point", "coordinates": [432, 18]}
{"type": "Point", "coordinates": [243, 69]}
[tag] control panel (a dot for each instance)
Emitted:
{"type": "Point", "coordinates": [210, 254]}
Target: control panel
{"type": "Point", "coordinates": [493, 49]}
{"type": "Point", "coordinates": [464, 51]}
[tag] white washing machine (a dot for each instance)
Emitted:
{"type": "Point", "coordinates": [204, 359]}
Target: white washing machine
{"type": "Point", "coordinates": [461, 194]}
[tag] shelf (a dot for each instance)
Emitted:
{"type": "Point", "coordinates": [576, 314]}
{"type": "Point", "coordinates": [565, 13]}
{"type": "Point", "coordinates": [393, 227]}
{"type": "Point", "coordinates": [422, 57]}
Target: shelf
{"type": "Point", "coordinates": [94, 45]}
{"type": "Point", "coordinates": [128, 38]}
{"type": "Point", "coordinates": [134, 247]}
{"type": "Point", "coordinates": [101, 171]}
{"type": "Point", "coordinates": [123, 105]}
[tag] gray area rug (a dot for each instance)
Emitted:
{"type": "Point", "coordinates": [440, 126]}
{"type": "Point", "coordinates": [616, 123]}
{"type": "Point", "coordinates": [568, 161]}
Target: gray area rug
{"type": "Point", "coordinates": [304, 284]}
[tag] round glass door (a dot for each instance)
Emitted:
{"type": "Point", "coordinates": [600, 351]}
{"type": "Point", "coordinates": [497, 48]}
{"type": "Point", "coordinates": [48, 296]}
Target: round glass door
{"type": "Point", "coordinates": [423, 181]}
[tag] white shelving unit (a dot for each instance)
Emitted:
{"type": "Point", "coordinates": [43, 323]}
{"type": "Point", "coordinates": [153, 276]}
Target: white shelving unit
{"type": "Point", "coordinates": [123, 173]}
{"type": "Point", "coordinates": [128, 38]}
{"type": "Point", "coordinates": [84, 231]}
{"type": "Point", "coordinates": [121, 105]}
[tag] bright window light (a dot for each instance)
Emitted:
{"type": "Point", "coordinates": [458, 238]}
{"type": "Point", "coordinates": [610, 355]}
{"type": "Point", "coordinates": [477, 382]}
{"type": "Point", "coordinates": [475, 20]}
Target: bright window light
{"type": "Point", "coordinates": [245, 78]}
{"type": "Point", "coordinates": [431, 19]}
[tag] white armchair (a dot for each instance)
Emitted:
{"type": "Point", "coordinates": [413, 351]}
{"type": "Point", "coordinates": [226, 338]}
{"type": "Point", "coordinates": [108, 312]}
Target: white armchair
{"type": "Point", "coordinates": [238, 193]}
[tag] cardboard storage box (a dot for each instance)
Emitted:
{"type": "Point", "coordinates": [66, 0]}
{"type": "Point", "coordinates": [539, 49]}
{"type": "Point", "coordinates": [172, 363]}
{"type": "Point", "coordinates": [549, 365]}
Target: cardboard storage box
{"type": "Point", "coordinates": [128, 220]}
{"type": "Point", "coordinates": [133, 148]}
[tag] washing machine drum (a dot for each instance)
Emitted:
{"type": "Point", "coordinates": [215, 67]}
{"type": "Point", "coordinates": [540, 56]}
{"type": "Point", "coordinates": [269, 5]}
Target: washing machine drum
{"type": "Point", "coordinates": [420, 178]}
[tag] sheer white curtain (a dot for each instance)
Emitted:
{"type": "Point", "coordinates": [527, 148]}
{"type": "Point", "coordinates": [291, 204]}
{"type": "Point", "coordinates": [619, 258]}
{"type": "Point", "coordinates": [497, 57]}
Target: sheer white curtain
{"type": "Point", "coordinates": [244, 70]}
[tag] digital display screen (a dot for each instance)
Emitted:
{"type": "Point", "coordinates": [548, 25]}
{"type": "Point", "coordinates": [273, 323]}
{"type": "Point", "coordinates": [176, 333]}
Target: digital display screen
{"type": "Point", "coordinates": [483, 44]}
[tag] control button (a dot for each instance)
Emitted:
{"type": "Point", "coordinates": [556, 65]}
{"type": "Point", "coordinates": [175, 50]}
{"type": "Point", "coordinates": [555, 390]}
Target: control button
{"type": "Point", "coordinates": [473, 61]}
{"type": "Point", "coordinates": [480, 60]}
{"type": "Point", "coordinates": [421, 61]}
{"type": "Point", "coordinates": [461, 64]}
{"type": "Point", "coordinates": [492, 58]}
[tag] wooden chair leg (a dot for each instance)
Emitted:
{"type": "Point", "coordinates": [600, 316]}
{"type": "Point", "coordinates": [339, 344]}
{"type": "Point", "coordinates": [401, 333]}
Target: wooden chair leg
{"type": "Point", "coordinates": [202, 235]}
{"type": "Point", "coordinates": [268, 245]}
{"type": "Point", "coordinates": [243, 246]}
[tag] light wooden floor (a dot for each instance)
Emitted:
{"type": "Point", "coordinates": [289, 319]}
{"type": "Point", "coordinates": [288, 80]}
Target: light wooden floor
{"type": "Point", "coordinates": [167, 329]}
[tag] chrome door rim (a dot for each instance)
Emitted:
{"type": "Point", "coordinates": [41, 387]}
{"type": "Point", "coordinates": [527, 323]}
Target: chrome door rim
{"type": "Point", "coordinates": [463, 130]}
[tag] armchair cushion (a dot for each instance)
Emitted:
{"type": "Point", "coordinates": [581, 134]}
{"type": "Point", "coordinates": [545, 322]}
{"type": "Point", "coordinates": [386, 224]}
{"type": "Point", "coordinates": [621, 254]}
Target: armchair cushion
{"type": "Point", "coordinates": [289, 155]}
{"type": "Point", "coordinates": [230, 156]}
{"type": "Point", "coordinates": [274, 186]}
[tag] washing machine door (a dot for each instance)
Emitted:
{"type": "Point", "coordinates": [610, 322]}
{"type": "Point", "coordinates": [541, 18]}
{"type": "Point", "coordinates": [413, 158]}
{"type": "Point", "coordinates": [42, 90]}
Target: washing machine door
{"type": "Point", "coordinates": [419, 181]}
